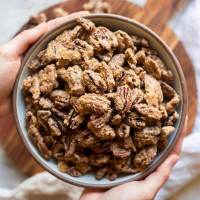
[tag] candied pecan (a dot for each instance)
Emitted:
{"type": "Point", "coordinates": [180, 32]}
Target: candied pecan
{"type": "Point", "coordinates": [73, 101]}
{"type": "Point", "coordinates": [46, 103]}
{"type": "Point", "coordinates": [99, 159]}
{"type": "Point", "coordinates": [85, 138]}
{"type": "Point", "coordinates": [85, 49]}
{"type": "Point", "coordinates": [60, 98]}
{"type": "Point", "coordinates": [107, 75]}
{"type": "Point", "coordinates": [92, 64]}
{"type": "Point", "coordinates": [43, 114]}
{"type": "Point", "coordinates": [48, 122]}
{"type": "Point", "coordinates": [59, 114]}
{"type": "Point", "coordinates": [93, 103]}
{"type": "Point", "coordinates": [35, 135]}
{"type": "Point", "coordinates": [32, 85]}
{"type": "Point", "coordinates": [59, 12]}
{"type": "Point", "coordinates": [124, 99]}
{"type": "Point", "coordinates": [163, 111]}
{"type": "Point", "coordinates": [152, 86]}
{"type": "Point", "coordinates": [138, 96]}
{"type": "Point", "coordinates": [136, 120]}
{"type": "Point", "coordinates": [97, 6]}
{"type": "Point", "coordinates": [170, 93]}
{"type": "Point", "coordinates": [72, 76]}
{"type": "Point", "coordinates": [62, 166]}
{"type": "Point", "coordinates": [69, 35]}
{"type": "Point", "coordinates": [116, 120]}
{"type": "Point", "coordinates": [167, 75]}
{"type": "Point", "coordinates": [103, 38]}
{"type": "Point", "coordinates": [54, 127]}
{"type": "Point", "coordinates": [149, 52]}
{"type": "Point", "coordinates": [106, 132]}
{"type": "Point", "coordinates": [148, 111]}
{"type": "Point", "coordinates": [139, 42]}
{"type": "Point", "coordinates": [130, 78]}
{"type": "Point", "coordinates": [145, 156]}
{"type": "Point", "coordinates": [77, 158]}
{"type": "Point", "coordinates": [48, 79]}
{"type": "Point", "coordinates": [123, 130]}
{"type": "Point", "coordinates": [73, 120]}
{"type": "Point", "coordinates": [73, 172]}
{"type": "Point", "coordinates": [83, 167]}
{"type": "Point", "coordinates": [116, 64]}
{"type": "Point", "coordinates": [100, 173]}
{"type": "Point", "coordinates": [130, 57]}
{"type": "Point", "coordinates": [146, 136]}
{"type": "Point", "coordinates": [70, 146]}
{"type": "Point", "coordinates": [58, 151]}
{"type": "Point", "coordinates": [127, 143]}
{"type": "Point", "coordinates": [124, 40]}
{"type": "Point", "coordinates": [101, 147]}
{"type": "Point", "coordinates": [76, 121]}
{"type": "Point", "coordinates": [119, 151]}
{"type": "Point", "coordinates": [151, 99]}
{"type": "Point", "coordinates": [123, 166]}
{"type": "Point", "coordinates": [112, 174]}
{"type": "Point", "coordinates": [105, 55]}
{"type": "Point", "coordinates": [34, 64]}
{"type": "Point", "coordinates": [165, 132]}
{"type": "Point", "coordinates": [152, 68]}
{"type": "Point", "coordinates": [140, 57]}
{"type": "Point", "coordinates": [56, 51]}
{"type": "Point", "coordinates": [172, 119]}
{"type": "Point", "coordinates": [93, 82]}
{"type": "Point", "coordinates": [69, 116]}
{"type": "Point", "coordinates": [97, 121]}
{"type": "Point", "coordinates": [86, 24]}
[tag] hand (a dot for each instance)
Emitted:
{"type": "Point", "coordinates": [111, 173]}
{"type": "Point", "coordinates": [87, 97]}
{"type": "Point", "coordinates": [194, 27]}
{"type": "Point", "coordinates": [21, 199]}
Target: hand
{"type": "Point", "coordinates": [140, 190]}
{"type": "Point", "coordinates": [10, 61]}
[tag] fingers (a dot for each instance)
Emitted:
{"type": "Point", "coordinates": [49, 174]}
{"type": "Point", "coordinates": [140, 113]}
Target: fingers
{"type": "Point", "coordinates": [18, 45]}
{"type": "Point", "coordinates": [57, 22]}
{"type": "Point", "coordinates": [89, 194]}
{"type": "Point", "coordinates": [21, 42]}
{"type": "Point", "coordinates": [157, 179]}
{"type": "Point", "coordinates": [178, 146]}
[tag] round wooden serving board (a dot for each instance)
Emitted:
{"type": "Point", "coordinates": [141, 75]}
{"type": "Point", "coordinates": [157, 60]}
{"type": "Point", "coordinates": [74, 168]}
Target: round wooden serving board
{"type": "Point", "coordinates": [155, 15]}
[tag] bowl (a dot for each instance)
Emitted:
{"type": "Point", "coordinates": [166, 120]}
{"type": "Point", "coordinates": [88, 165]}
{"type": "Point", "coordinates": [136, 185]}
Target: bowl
{"type": "Point", "coordinates": [113, 22]}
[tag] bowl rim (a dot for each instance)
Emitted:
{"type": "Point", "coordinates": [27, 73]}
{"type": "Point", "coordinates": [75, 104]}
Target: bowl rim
{"type": "Point", "coordinates": [179, 128]}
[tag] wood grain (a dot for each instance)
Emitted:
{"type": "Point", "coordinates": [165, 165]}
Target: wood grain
{"type": "Point", "coordinates": [155, 15]}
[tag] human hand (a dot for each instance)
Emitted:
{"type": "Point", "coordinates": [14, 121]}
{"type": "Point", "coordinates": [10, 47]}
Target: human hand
{"type": "Point", "coordinates": [10, 61]}
{"type": "Point", "coordinates": [140, 190]}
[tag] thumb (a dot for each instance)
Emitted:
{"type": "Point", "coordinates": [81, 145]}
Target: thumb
{"type": "Point", "coordinates": [157, 179]}
{"type": "Point", "coordinates": [18, 45]}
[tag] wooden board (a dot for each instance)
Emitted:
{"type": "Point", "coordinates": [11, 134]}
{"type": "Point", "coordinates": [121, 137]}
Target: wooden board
{"type": "Point", "coordinates": [155, 15]}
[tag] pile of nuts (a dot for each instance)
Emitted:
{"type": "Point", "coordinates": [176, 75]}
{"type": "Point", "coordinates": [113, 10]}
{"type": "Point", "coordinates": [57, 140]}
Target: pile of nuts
{"type": "Point", "coordinates": [99, 101]}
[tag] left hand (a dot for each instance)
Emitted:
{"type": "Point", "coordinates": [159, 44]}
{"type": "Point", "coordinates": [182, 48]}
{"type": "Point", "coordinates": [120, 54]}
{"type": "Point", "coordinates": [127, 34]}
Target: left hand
{"type": "Point", "coordinates": [10, 61]}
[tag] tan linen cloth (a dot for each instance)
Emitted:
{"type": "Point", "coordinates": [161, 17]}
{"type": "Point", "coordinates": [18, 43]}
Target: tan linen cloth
{"type": "Point", "coordinates": [44, 186]}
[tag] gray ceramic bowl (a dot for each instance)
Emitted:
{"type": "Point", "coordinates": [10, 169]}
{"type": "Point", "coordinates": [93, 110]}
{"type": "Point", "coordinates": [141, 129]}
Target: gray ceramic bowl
{"type": "Point", "coordinates": [113, 22]}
